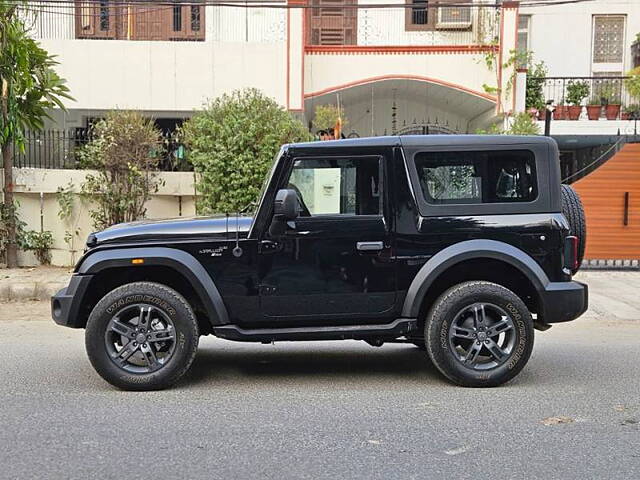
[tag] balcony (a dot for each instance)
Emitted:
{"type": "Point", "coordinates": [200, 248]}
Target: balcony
{"type": "Point", "coordinates": [586, 105]}
{"type": "Point", "coordinates": [340, 25]}
{"type": "Point", "coordinates": [116, 20]}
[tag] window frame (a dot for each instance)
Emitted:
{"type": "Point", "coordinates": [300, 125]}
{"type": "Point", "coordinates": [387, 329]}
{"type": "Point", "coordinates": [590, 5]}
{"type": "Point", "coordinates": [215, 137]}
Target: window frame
{"type": "Point", "coordinates": [541, 204]}
{"type": "Point", "coordinates": [409, 26]}
{"type": "Point", "coordinates": [344, 216]}
{"type": "Point", "coordinates": [608, 66]}
{"type": "Point", "coordinates": [432, 8]}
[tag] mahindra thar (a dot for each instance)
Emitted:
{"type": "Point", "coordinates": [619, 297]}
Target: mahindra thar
{"type": "Point", "coordinates": [459, 244]}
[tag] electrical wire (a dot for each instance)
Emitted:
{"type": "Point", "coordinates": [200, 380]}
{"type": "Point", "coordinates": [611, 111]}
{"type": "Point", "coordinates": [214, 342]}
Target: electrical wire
{"type": "Point", "coordinates": [280, 4]}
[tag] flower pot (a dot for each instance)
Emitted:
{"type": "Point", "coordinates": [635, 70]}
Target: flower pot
{"type": "Point", "coordinates": [560, 112]}
{"type": "Point", "coordinates": [574, 112]}
{"type": "Point", "coordinates": [611, 111]}
{"type": "Point", "coordinates": [593, 111]}
{"type": "Point", "coordinates": [542, 114]}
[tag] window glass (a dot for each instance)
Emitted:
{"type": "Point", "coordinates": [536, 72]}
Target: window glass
{"type": "Point", "coordinates": [477, 177]}
{"type": "Point", "coordinates": [419, 13]}
{"type": "Point", "coordinates": [343, 186]}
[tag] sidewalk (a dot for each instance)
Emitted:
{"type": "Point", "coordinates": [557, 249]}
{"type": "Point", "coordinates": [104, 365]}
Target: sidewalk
{"type": "Point", "coordinates": [39, 283]}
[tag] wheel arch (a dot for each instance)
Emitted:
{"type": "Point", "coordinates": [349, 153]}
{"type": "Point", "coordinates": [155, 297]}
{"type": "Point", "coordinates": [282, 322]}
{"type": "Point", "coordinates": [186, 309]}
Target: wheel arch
{"type": "Point", "coordinates": [526, 277]}
{"type": "Point", "coordinates": [188, 276]}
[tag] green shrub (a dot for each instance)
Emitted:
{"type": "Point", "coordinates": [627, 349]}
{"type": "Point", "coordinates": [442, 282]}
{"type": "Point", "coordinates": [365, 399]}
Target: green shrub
{"type": "Point", "coordinates": [232, 144]}
{"type": "Point", "coordinates": [326, 117]}
{"type": "Point", "coordinates": [535, 83]}
{"type": "Point", "coordinates": [633, 83]}
{"type": "Point", "coordinates": [38, 242]}
{"type": "Point", "coordinates": [577, 91]}
{"type": "Point", "coordinates": [521, 124]}
{"type": "Point", "coordinates": [124, 149]}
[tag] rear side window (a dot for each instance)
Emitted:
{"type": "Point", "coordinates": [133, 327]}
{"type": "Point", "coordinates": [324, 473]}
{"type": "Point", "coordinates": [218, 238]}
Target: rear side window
{"type": "Point", "coordinates": [476, 177]}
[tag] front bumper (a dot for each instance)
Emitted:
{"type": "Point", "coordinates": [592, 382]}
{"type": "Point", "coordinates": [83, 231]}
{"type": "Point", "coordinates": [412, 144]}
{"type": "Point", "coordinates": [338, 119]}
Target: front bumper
{"type": "Point", "coordinates": [65, 305]}
{"type": "Point", "coordinates": [563, 301]}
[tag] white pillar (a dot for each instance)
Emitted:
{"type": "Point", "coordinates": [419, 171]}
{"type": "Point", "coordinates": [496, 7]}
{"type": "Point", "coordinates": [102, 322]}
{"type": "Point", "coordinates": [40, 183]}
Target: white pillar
{"type": "Point", "coordinates": [295, 56]}
{"type": "Point", "coordinates": [521, 90]}
{"type": "Point", "coordinates": [508, 44]}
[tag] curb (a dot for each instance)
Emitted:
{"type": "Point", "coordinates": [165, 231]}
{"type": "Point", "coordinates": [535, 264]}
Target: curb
{"type": "Point", "coordinates": [29, 291]}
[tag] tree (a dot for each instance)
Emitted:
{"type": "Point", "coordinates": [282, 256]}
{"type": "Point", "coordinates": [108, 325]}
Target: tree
{"type": "Point", "coordinates": [232, 144]}
{"type": "Point", "coordinates": [29, 86]}
{"type": "Point", "coordinates": [125, 149]}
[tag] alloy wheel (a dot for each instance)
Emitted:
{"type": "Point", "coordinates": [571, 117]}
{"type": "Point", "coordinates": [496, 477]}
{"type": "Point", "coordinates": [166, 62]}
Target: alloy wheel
{"type": "Point", "coordinates": [140, 338]}
{"type": "Point", "coordinates": [482, 336]}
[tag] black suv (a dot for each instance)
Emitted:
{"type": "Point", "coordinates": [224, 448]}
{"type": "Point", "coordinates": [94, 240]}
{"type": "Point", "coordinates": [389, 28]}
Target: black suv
{"type": "Point", "coordinates": [457, 244]}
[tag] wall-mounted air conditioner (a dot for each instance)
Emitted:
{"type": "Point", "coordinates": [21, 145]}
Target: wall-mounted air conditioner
{"type": "Point", "coordinates": [454, 18]}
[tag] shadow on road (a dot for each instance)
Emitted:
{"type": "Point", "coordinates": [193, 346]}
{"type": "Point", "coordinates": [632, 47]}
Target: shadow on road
{"type": "Point", "coordinates": [400, 363]}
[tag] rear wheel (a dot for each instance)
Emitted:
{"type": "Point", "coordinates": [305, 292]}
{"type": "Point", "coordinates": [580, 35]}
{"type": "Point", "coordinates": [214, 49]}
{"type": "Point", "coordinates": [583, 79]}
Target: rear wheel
{"type": "Point", "coordinates": [479, 334]}
{"type": "Point", "coordinates": [142, 336]}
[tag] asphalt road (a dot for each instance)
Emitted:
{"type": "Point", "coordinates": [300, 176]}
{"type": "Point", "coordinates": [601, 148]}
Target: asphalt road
{"type": "Point", "coordinates": [321, 410]}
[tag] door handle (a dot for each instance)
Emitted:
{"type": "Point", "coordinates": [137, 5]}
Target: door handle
{"type": "Point", "coordinates": [369, 246]}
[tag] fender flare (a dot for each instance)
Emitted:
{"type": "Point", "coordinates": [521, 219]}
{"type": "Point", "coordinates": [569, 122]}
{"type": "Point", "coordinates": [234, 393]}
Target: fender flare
{"type": "Point", "coordinates": [467, 250]}
{"type": "Point", "coordinates": [181, 261]}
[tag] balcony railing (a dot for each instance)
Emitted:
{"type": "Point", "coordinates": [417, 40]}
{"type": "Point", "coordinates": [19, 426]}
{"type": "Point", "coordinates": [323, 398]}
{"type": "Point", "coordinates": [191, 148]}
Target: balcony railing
{"type": "Point", "coordinates": [582, 98]}
{"type": "Point", "coordinates": [59, 149]}
{"type": "Point", "coordinates": [116, 20]}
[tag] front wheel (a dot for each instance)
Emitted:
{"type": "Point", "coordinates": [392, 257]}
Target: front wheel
{"type": "Point", "coordinates": [142, 336]}
{"type": "Point", "coordinates": [479, 334]}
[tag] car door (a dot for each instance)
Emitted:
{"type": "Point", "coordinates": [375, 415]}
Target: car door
{"type": "Point", "coordinates": [335, 260]}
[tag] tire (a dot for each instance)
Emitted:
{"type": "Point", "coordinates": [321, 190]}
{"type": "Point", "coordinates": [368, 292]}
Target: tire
{"type": "Point", "coordinates": [573, 211]}
{"type": "Point", "coordinates": [465, 310]}
{"type": "Point", "coordinates": [142, 336]}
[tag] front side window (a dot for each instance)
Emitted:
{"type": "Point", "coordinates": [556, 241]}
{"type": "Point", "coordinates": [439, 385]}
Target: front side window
{"type": "Point", "coordinates": [477, 177]}
{"type": "Point", "coordinates": [338, 186]}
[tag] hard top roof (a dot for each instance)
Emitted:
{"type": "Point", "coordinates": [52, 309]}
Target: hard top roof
{"type": "Point", "coordinates": [426, 140]}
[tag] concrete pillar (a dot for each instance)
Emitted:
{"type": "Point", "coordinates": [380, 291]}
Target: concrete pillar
{"type": "Point", "coordinates": [520, 90]}
{"type": "Point", "coordinates": [508, 45]}
{"type": "Point", "coordinates": [295, 55]}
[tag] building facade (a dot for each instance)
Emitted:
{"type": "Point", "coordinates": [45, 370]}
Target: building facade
{"type": "Point", "coordinates": [393, 68]}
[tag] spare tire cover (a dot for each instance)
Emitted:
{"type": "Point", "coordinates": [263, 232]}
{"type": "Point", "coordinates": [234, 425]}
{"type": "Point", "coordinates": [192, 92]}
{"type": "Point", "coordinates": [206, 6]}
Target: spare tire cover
{"type": "Point", "coordinates": [573, 211]}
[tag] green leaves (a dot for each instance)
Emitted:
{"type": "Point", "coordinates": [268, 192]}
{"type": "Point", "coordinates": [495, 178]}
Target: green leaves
{"type": "Point", "coordinates": [125, 149]}
{"type": "Point", "coordinates": [232, 144]}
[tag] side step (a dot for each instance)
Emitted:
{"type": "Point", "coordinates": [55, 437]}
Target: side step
{"type": "Point", "coordinates": [395, 329]}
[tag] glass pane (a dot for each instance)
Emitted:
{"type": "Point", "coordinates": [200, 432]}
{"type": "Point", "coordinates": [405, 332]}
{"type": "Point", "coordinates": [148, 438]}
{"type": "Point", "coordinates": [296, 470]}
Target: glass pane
{"type": "Point", "coordinates": [419, 15]}
{"type": "Point", "coordinates": [337, 186]}
{"type": "Point", "coordinates": [177, 18]}
{"type": "Point", "coordinates": [477, 177]}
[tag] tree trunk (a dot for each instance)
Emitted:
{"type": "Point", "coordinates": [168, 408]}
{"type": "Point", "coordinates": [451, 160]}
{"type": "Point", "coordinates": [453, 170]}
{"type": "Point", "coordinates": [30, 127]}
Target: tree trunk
{"type": "Point", "coordinates": [12, 248]}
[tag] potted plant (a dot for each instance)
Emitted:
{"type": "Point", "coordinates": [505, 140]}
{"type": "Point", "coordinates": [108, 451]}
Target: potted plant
{"type": "Point", "coordinates": [631, 112]}
{"type": "Point", "coordinates": [594, 108]}
{"type": "Point", "coordinates": [576, 92]}
{"type": "Point", "coordinates": [610, 97]}
{"type": "Point", "coordinates": [561, 112]}
{"type": "Point", "coordinates": [632, 84]}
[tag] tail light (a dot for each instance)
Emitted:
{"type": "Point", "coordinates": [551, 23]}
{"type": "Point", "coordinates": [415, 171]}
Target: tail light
{"type": "Point", "coordinates": [571, 252]}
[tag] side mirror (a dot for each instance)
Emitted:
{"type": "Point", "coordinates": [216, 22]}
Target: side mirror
{"type": "Point", "coordinates": [286, 207]}
{"type": "Point", "coordinates": [286, 204]}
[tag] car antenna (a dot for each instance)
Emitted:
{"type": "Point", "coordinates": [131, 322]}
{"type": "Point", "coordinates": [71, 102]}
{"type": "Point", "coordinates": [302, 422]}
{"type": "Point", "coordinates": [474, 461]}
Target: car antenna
{"type": "Point", "coordinates": [237, 251]}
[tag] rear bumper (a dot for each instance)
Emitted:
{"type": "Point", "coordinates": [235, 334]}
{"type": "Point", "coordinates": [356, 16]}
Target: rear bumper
{"type": "Point", "coordinates": [65, 305]}
{"type": "Point", "coordinates": [563, 301]}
